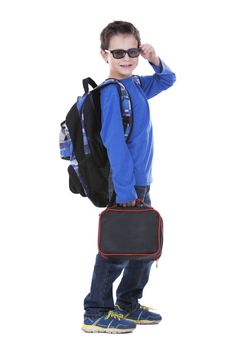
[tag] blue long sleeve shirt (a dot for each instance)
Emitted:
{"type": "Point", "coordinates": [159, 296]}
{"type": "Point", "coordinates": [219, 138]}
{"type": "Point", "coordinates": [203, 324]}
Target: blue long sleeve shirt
{"type": "Point", "coordinates": [131, 164]}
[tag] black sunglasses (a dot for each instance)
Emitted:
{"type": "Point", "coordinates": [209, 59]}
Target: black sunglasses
{"type": "Point", "coordinates": [121, 53]}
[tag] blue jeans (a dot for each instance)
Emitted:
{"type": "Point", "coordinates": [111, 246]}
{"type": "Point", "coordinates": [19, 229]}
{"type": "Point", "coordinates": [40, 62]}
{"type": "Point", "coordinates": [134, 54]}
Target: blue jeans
{"type": "Point", "coordinates": [135, 277]}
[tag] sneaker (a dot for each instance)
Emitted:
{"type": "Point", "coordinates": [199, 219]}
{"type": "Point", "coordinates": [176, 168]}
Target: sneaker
{"type": "Point", "coordinates": [141, 315]}
{"type": "Point", "coordinates": [112, 322]}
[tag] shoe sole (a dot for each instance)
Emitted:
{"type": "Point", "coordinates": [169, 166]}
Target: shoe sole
{"type": "Point", "coordinates": [145, 322]}
{"type": "Point", "coordinates": [96, 329]}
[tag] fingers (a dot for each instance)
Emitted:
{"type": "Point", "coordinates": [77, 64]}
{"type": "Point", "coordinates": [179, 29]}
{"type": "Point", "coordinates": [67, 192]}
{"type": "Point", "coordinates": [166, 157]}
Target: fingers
{"type": "Point", "coordinates": [147, 51]}
{"type": "Point", "coordinates": [147, 48]}
{"type": "Point", "coordinates": [129, 204]}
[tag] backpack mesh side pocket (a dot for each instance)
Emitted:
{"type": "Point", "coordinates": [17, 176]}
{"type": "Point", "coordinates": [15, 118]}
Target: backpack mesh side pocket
{"type": "Point", "coordinates": [74, 182]}
{"type": "Point", "coordinates": [96, 180]}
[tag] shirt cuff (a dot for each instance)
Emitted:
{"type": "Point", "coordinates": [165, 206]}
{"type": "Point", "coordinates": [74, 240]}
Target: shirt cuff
{"type": "Point", "coordinates": [126, 197]}
{"type": "Point", "coordinates": [162, 69]}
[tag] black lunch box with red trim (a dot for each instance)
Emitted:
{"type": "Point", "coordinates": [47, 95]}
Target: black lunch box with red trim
{"type": "Point", "coordinates": [130, 232]}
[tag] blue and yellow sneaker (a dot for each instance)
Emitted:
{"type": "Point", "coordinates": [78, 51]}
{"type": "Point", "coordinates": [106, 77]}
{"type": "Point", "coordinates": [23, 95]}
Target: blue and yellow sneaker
{"type": "Point", "coordinates": [141, 315]}
{"type": "Point", "coordinates": [112, 322]}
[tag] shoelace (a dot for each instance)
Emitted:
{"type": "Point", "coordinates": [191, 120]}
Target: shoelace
{"type": "Point", "coordinates": [114, 314]}
{"type": "Point", "coordinates": [146, 308]}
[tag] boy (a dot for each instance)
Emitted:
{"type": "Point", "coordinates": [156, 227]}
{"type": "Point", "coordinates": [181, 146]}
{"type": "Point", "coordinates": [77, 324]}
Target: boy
{"type": "Point", "coordinates": [131, 166]}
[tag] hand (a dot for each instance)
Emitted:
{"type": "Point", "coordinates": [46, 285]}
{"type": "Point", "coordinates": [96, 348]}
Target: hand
{"type": "Point", "coordinates": [129, 204]}
{"type": "Point", "coordinates": [148, 52]}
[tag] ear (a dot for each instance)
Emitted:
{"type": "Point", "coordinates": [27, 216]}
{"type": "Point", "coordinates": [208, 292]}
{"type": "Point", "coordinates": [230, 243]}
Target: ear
{"type": "Point", "coordinates": [104, 55]}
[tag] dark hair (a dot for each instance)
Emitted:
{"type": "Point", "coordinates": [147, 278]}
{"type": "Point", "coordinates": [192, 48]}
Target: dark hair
{"type": "Point", "coordinates": [117, 27]}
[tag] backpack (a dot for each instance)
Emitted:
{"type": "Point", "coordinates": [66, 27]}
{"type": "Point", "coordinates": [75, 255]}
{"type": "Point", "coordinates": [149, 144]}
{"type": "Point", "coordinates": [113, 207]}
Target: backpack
{"type": "Point", "coordinates": [80, 141]}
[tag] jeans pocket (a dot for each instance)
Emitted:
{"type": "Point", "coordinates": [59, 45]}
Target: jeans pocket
{"type": "Point", "coordinates": [143, 193]}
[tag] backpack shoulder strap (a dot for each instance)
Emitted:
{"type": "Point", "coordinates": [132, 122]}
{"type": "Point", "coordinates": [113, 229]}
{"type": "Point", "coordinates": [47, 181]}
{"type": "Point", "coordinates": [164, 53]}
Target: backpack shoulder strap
{"type": "Point", "coordinates": [125, 105]}
{"type": "Point", "coordinates": [137, 80]}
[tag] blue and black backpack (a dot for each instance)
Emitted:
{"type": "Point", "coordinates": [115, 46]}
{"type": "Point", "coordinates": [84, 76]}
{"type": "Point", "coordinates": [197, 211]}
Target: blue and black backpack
{"type": "Point", "coordinates": [81, 144]}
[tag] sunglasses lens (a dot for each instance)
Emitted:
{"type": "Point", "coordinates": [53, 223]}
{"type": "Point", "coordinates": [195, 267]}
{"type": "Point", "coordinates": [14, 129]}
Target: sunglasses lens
{"type": "Point", "coordinates": [121, 53]}
{"type": "Point", "coordinates": [133, 53]}
{"type": "Point", "coordinates": [118, 53]}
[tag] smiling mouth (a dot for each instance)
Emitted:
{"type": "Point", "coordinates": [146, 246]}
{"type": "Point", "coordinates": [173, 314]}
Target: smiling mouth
{"type": "Point", "coordinates": [126, 65]}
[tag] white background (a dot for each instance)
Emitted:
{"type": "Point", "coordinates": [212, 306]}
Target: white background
{"type": "Point", "coordinates": [48, 235]}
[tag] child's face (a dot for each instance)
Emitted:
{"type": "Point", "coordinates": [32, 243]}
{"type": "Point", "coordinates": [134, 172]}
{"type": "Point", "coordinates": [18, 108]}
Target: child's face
{"type": "Point", "coordinates": [123, 67]}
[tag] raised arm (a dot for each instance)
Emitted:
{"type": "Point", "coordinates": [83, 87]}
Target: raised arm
{"type": "Point", "coordinates": [163, 77]}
